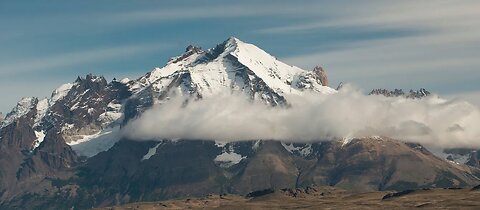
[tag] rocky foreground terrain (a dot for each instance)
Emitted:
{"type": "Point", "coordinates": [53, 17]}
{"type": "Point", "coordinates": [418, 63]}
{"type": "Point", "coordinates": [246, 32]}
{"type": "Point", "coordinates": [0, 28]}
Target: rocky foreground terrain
{"type": "Point", "coordinates": [325, 198]}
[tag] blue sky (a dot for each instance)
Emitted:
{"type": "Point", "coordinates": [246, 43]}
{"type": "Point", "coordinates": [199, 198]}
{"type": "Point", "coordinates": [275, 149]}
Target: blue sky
{"type": "Point", "coordinates": [372, 44]}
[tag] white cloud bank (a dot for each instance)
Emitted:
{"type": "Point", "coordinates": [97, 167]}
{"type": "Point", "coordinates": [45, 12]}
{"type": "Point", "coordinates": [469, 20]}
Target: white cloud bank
{"type": "Point", "coordinates": [430, 121]}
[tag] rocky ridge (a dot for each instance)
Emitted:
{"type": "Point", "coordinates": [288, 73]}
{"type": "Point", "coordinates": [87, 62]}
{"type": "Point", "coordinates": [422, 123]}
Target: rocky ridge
{"type": "Point", "coordinates": [400, 93]}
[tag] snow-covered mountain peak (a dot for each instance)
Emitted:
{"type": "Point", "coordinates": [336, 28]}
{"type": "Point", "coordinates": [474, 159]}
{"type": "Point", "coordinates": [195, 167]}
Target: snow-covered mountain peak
{"type": "Point", "coordinates": [234, 47]}
{"type": "Point", "coordinates": [231, 65]}
{"type": "Point", "coordinates": [233, 40]}
{"type": "Point", "coordinates": [283, 78]}
{"type": "Point", "coordinates": [232, 44]}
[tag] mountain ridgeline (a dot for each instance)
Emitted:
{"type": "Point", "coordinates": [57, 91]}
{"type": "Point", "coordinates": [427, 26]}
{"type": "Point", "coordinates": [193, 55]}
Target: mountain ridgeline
{"type": "Point", "coordinates": [400, 93]}
{"type": "Point", "coordinates": [67, 150]}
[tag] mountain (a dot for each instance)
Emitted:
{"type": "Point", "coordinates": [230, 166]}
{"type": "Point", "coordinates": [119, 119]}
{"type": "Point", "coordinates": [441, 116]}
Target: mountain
{"type": "Point", "coordinates": [230, 66]}
{"type": "Point", "coordinates": [68, 150]}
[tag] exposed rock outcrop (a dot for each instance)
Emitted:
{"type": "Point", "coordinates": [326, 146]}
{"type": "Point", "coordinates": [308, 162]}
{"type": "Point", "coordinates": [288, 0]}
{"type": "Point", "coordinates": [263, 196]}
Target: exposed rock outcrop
{"type": "Point", "coordinates": [318, 70]}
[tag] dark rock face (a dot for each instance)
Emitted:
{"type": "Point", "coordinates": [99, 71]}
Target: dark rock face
{"type": "Point", "coordinates": [177, 168]}
{"type": "Point", "coordinates": [1, 117]}
{"type": "Point", "coordinates": [474, 159]}
{"type": "Point", "coordinates": [15, 143]}
{"type": "Point", "coordinates": [459, 151]}
{"type": "Point", "coordinates": [23, 168]}
{"type": "Point", "coordinates": [216, 51]}
{"type": "Point", "coordinates": [400, 93]}
{"type": "Point", "coordinates": [270, 167]}
{"type": "Point", "coordinates": [380, 164]}
{"type": "Point", "coordinates": [52, 156]}
{"type": "Point", "coordinates": [471, 155]}
{"type": "Point", "coordinates": [82, 110]}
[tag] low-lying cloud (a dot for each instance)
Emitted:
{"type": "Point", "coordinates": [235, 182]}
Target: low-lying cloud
{"type": "Point", "coordinates": [431, 121]}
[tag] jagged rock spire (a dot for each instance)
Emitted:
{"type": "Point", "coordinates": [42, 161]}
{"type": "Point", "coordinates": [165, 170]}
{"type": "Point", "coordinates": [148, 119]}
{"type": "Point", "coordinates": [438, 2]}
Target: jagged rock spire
{"type": "Point", "coordinates": [340, 86]}
{"type": "Point", "coordinates": [322, 74]}
{"type": "Point", "coordinates": [192, 48]}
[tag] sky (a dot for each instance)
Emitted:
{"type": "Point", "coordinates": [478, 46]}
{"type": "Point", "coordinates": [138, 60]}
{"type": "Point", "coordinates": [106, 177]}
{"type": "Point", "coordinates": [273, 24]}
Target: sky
{"type": "Point", "coordinates": [371, 44]}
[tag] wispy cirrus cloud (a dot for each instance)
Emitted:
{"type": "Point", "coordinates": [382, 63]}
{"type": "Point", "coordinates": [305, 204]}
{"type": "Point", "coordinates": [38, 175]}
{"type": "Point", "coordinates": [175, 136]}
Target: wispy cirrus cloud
{"type": "Point", "coordinates": [176, 14]}
{"type": "Point", "coordinates": [441, 54]}
{"type": "Point", "coordinates": [77, 57]}
{"type": "Point", "coordinates": [438, 14]}
{"type": "Point", "coordinates": [225, 9]}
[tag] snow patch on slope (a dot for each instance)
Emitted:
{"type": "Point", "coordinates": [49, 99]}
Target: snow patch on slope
{"type": "Point", "coordinates": [151, 152]}
{"type": "Point", "coordinates": [303, 150]}
{"type": "Point", "coordinates": [228, 157]}
{"type": "Point", "coordinates": [91, 145]}
{"type": "Point", "coordinates": [112, 114]}
{"type": "Point", "coordinates": [42, 108]}
{"type": "Point", "coordinates": [40, 137]}
{"type": "Point", "coordinates": [125, 81]}
{"type": "Point", "coordinates": [61, 92]}
{"type": "Point", "coordinates": [347, 140]}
